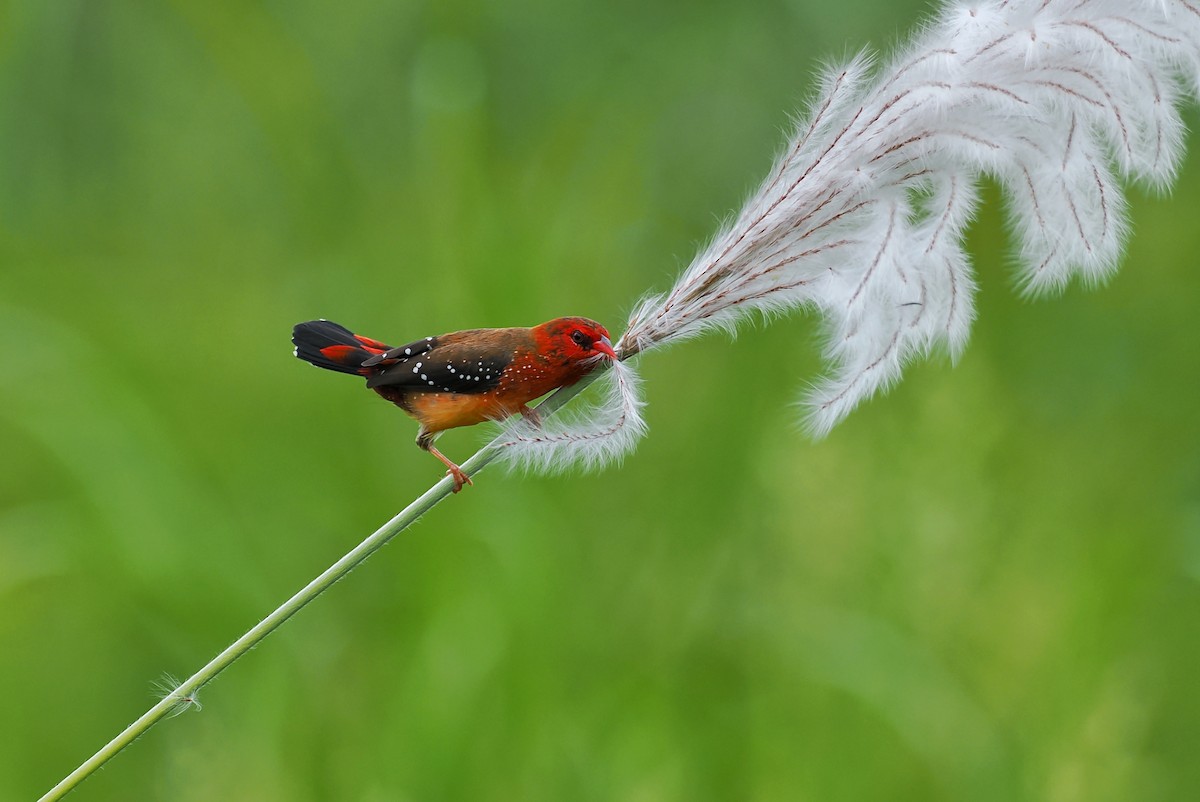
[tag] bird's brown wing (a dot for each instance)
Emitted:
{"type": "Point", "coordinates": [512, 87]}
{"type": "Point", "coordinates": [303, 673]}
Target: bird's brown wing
{"type": "Point", "coordinates": [462, 362]}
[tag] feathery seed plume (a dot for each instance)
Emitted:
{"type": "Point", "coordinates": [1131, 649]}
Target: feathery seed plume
{"type": "Point", "coordinates": [862, 218]}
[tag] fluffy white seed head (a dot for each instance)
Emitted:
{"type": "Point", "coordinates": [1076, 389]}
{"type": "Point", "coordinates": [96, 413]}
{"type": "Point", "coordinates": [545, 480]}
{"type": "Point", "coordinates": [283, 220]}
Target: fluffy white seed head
{"type": "Point", "coordinates": [862, 218]}
{"type": "Point", "coordinates": [590, 439]}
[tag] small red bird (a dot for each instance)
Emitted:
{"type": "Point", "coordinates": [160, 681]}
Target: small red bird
{"type": "Point", "coordinates": [465, 377]}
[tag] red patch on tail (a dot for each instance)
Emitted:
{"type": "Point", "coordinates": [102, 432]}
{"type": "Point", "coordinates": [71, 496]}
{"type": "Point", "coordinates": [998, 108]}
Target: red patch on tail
{"type": "Point", "coordinates": [374, 346]}
{"type": "Point", "coordinates": [341, 353]}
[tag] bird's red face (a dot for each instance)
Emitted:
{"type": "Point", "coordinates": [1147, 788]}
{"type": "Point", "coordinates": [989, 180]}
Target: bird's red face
{"type": "Point", "coordinates": [575, 340]}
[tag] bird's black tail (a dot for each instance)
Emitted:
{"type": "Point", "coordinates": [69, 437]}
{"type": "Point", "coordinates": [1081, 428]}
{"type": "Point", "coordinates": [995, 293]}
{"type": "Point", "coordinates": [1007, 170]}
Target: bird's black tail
{"type": "Point", "coordinates": [333, 347]}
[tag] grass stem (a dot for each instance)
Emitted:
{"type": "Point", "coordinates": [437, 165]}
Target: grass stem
{"type": "Point", "coordinates": [188, 689]}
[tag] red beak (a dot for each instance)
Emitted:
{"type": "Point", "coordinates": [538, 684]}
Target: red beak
{"type": "Point", "coordinates": [604, 346]}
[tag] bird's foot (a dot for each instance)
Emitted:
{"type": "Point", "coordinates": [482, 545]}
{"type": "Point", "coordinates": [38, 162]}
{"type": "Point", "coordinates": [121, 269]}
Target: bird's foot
{"type": "Point", "coordinates": [458, 474]}
{"type": "Point", "coordinates": [532, 415]}
{"type": "Point", "coordinates": [460, 478]}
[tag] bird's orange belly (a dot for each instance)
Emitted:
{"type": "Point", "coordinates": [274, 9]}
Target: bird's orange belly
{"type": "Point", "coordinates": [440, 411]}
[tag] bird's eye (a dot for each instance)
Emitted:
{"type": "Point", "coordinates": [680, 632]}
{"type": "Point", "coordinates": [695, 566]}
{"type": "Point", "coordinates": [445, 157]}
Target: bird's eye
{"type": "Point", "coordinates": [580, 338]}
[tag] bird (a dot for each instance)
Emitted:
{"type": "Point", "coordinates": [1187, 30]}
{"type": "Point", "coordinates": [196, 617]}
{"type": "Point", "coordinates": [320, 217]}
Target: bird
{"type": "Point", "coordinates": [464, 377]}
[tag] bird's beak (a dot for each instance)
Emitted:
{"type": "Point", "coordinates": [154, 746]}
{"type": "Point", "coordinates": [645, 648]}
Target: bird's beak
{"type": "Point", "coordinates": [604, 346]}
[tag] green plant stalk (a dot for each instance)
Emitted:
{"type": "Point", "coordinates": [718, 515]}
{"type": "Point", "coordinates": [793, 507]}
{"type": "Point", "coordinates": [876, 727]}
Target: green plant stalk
{"type": "Point", "coordinates": [179, 698]}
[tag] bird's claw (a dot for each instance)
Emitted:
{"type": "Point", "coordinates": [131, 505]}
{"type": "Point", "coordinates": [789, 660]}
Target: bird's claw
{"type": "Point", "coordinates": [460, 478]}
{"type": "Point", "coordinates": [533, 416]}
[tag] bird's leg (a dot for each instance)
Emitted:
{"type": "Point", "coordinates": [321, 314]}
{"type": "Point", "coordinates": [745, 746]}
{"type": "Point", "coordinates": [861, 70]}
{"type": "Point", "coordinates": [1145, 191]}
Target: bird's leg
{"type": "Point", "coordinates": [532, 415]}
{"type": "Point", "coordinates": [425, 441]}
{"type": "Point", "coordinates": [460, 478]}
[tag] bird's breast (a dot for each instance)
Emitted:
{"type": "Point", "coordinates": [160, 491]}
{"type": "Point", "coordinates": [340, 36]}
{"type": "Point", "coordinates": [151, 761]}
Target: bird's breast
{"type": "Point", "coordinates": [530, 376]}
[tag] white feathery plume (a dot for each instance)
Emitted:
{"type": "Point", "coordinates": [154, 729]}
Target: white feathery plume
{"type": "Point", "coordinates": [590, 439]}
{"type": "Point", "coordinates": [862, 218]}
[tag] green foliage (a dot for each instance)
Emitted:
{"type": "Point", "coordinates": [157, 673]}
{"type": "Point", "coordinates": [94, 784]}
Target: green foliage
{"type": "Point", "coordinates": [983, 586]}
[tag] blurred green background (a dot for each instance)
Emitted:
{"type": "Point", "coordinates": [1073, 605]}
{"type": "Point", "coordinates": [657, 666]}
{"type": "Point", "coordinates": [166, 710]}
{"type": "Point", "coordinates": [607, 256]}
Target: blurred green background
{"type": "Point", "coordinates": [983, 586]}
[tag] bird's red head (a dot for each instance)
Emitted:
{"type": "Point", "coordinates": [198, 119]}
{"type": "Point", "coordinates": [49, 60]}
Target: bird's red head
{"type": "Point", "coordinates": [574, 340]}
